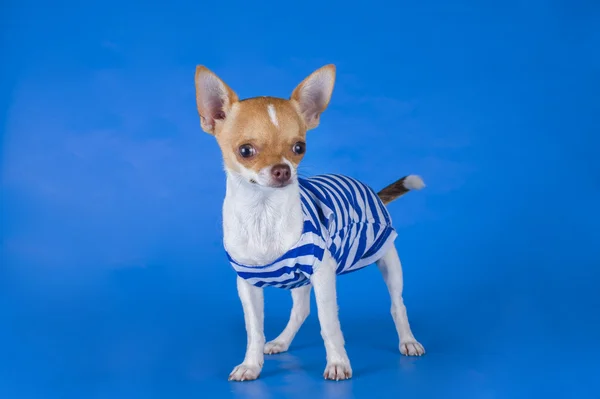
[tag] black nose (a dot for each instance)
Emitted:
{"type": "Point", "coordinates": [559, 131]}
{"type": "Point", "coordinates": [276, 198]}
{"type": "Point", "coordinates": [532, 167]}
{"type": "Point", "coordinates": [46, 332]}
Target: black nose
{"type": "Point", "coordinates": [281, 173]}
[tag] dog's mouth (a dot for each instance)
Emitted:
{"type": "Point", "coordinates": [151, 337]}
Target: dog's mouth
{"type": "Point", "coordinates": [281, 185]}
{"type": "Point", "coordinates": [273, 185]}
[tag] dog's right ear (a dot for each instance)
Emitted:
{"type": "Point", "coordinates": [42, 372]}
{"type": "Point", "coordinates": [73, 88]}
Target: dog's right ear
{"type": "Point", "coordinates": [213, 98]}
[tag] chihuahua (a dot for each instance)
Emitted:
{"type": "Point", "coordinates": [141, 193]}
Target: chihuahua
{"type": "Point", "coordinates": [296, 233]}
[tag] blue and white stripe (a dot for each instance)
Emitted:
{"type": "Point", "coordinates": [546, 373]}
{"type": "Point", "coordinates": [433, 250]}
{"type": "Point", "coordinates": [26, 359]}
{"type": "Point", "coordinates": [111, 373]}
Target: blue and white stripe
{"type": "Point", "coordinates": [342, 215]}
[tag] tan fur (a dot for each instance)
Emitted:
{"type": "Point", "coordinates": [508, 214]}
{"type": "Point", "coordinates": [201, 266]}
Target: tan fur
{"type": "Point", "coordinates": [393, 191]}
{"type": "Point", "coordinates": [250, 124]}
{"type": "Point", "coordinates": [248, 121]}
{"type": "Point", "coordinates": [312, 119]}
{"type": "Point", "coordinates": [207, 124]}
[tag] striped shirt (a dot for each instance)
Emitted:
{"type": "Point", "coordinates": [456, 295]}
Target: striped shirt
{"type": "Point", "coordinates": [342, 215]}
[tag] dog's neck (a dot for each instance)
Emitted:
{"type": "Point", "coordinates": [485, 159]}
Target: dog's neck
{"type": "Point", "coordinates": [259, 223]}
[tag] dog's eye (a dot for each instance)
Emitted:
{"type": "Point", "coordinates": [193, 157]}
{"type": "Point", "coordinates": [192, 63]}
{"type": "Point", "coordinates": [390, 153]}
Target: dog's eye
{"type": "Point", "coordinates": [299, 148]}
{"type": "Point", "coordinates": [247, 151]}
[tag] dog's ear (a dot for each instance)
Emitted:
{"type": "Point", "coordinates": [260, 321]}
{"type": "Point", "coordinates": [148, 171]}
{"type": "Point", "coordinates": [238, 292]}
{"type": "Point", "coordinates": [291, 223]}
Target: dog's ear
{"type": "Point", "coordinates": [213, 98]}
{"type": "Point", "coordinates": [314, 93]}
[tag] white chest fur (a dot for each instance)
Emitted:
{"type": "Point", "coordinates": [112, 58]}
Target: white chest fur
{"type": "Point", "coordinates": [260, 224]}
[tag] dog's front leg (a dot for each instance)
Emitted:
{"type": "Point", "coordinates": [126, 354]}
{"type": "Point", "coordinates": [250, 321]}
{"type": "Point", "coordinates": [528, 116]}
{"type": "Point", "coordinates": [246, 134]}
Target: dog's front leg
{"type": "Point", "coordinates": [253, 303]}
{"type": "Point", "coordinates": [323, 281]}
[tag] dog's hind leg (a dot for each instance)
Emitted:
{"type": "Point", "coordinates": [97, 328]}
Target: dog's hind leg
{"type": "Point", "coordinates": [300, 311]}
{"type": "Point", "coordinates": [391, 269]}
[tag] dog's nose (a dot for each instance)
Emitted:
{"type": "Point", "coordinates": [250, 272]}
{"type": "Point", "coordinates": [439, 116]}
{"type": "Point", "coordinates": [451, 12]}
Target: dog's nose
{"type": "Point", "coordinates": [281, 173]}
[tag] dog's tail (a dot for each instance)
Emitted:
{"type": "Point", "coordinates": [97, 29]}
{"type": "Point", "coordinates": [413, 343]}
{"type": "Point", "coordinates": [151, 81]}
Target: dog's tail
{"type": "Point", "coordinates": [400, 187]}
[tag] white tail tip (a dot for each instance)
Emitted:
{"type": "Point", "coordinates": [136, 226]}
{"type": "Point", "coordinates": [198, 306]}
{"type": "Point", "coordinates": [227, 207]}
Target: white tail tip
{"type": "Point", "coordinates": [413, 182]}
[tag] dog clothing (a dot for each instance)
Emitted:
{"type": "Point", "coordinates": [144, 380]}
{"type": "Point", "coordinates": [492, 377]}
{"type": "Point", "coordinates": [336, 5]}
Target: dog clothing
{"type": "Point", "coordinates": [340, 214]}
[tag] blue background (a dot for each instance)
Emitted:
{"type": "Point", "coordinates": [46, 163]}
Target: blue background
{"type": "Point", "coordinates": [114, 283]}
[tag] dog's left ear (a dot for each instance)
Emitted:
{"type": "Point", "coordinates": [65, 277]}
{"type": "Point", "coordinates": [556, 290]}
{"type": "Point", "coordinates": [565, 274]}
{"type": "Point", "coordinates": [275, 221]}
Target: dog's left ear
{"type": "Point", "coordinates": [314, 93]}
{"type": "Point", "coordinates": [213, 98]}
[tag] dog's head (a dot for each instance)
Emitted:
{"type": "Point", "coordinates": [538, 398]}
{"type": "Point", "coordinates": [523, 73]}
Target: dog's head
{"type": "Point", "coordinates": [263, 139]}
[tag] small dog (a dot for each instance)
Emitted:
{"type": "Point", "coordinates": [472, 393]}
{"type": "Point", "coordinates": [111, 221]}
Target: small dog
{"type": "Point", "coordinates": [284, 231]}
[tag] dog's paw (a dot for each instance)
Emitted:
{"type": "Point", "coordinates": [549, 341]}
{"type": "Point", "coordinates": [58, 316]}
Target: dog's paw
{"type": "Point", "coordinates": [338, 371]}
{"type": "Point", "coordinates": [274, 347]}
{"type": "Point", "coordinates": [245, 372]}
{"type": "Point", "coordinates": [411, 348]}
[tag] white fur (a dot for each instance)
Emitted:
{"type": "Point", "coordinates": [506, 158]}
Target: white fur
{"type": "Point", "coordinates": [391, 269]}
{"type": "Point", "coordinates": [413, 182]}
{"type": "Point", "coordinates": [323, 281]}
{"type": "Point", "coordinates": [291, 165]}
{"type": "Point", "coordinates": [273, 115]}
{"type": "Point", "coordinates": [300, 311]}
{"type": "Point", "coordinates": [253, 305]}
{"type": "Point", "coordinates": [260, 224]}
